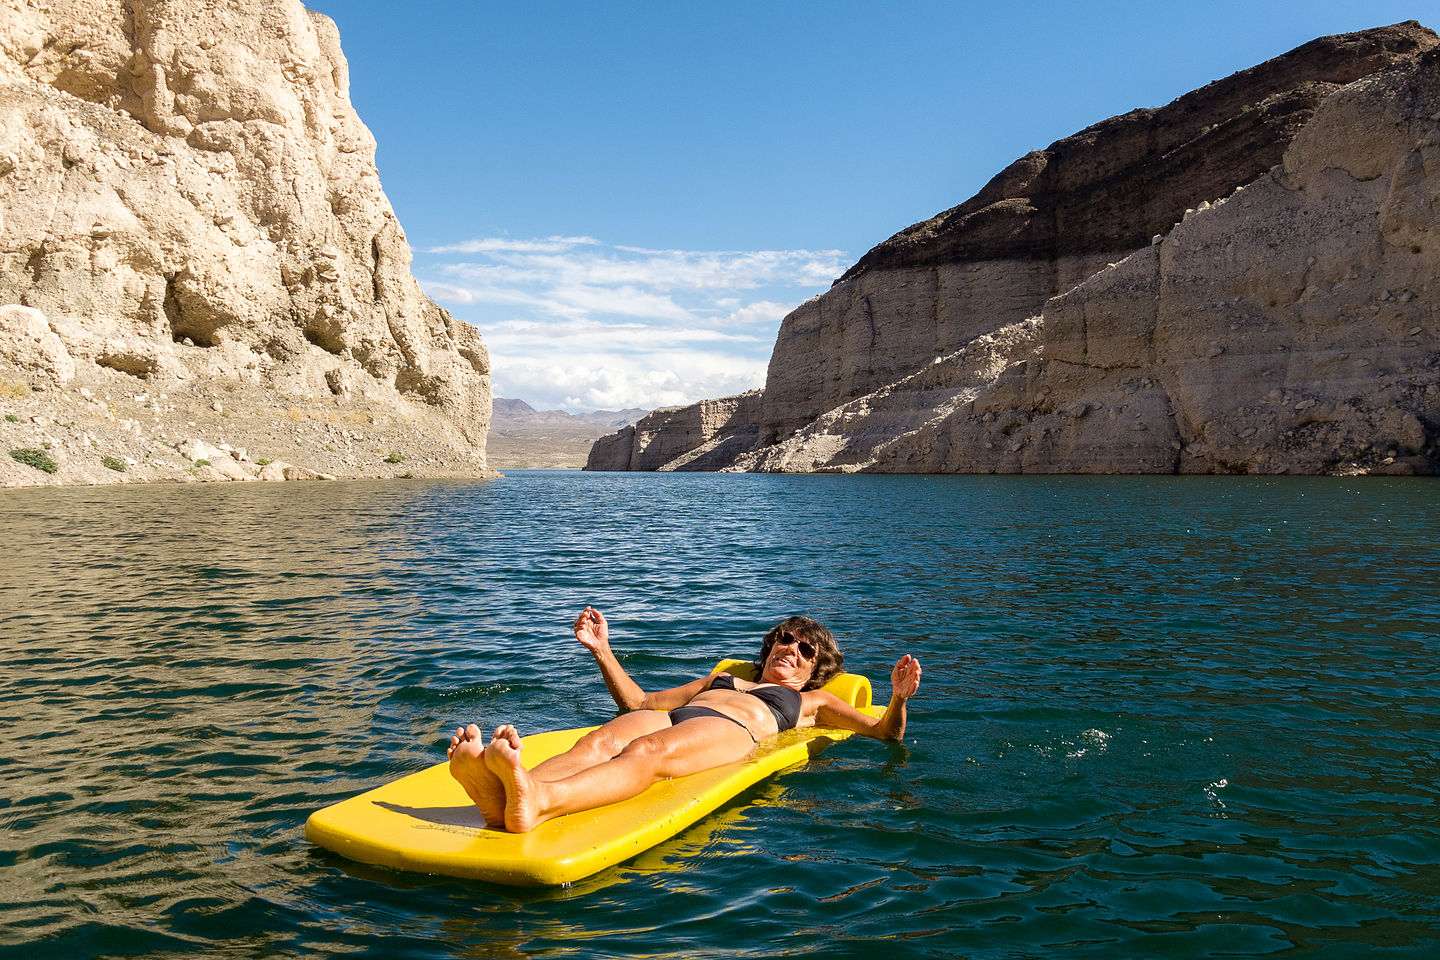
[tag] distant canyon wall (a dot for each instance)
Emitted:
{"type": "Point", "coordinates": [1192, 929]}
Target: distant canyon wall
{"type": "Point", "coordinates": [188, 195]}
{"type": "Point", "coordinates": [704, 436]}
{"type": "Point", "coordinates": [1240, 281]}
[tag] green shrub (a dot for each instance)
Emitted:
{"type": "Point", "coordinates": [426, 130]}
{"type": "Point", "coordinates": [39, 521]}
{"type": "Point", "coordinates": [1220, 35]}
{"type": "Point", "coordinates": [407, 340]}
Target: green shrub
{"type": "Point", "coordinates": [38, 459]}
{"type": "Point", "coordinates": [114, 463]}
{"type": "Point", "coordinates": [395, 457]}
{"type": "Point", "coordinates": [11, 418]}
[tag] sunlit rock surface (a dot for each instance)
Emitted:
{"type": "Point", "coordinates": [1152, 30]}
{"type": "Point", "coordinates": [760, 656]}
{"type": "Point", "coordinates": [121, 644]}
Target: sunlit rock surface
{"type": "Point", "coordinates": [190, 202]}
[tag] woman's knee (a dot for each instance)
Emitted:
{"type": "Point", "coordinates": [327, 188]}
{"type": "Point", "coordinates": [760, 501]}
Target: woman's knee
{"type": "Point", "coordinates": [600, 744]}
{"type": "Point", "coordinates": [652, 749]}
{"type": "Point", "coordinates": [616, 736]}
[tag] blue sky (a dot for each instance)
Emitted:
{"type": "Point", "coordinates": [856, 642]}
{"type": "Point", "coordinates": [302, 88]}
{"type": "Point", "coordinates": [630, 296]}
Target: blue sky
{"type": "Point", "coordinates": [626, 197]}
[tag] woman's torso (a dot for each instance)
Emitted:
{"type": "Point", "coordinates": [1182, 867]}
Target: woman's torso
{"type": "Point", "coordinates": [764, 708]}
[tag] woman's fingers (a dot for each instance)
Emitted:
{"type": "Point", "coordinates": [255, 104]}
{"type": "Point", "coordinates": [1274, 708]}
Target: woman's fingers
{"type": "Point", "coordinates": [906, 675]}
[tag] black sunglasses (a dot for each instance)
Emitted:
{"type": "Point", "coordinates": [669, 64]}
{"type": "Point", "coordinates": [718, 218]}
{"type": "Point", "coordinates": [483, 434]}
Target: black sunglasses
{"type": "Point", "coordinates": [807, 649]}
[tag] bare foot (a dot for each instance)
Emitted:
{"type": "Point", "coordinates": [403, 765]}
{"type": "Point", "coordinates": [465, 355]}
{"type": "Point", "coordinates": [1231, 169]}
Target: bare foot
{"type": "Point", "coordinates": [467, 765]}
{"type": "Point", "coordinates": [522, 806]}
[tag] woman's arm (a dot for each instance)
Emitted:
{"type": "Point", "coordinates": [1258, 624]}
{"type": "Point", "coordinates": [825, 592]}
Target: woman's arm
{"type": "Point", "coordinates": [594, 633]}
{"type": "Point", "coordinates": [831, 711]}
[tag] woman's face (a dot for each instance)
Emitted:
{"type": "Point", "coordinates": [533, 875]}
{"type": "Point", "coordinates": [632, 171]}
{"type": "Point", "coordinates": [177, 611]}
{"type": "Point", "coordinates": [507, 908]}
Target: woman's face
{"type": "Point", "coordinates": [791, 661]}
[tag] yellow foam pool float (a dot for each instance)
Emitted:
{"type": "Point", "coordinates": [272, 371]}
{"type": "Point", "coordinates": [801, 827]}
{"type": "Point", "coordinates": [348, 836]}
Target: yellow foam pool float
{"type": "Point", "coordinates": [425, 823]}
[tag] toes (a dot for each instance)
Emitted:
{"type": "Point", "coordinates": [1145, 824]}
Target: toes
{"type": "Point", "coordinates": [505, 743]}
{"type": "Point", "coordinates": [466, 734]}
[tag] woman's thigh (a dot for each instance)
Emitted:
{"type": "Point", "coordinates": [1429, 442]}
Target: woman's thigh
{"type": "Point", "coordinates": [630, 726]}
{"type": "Point", "coordinates": [610, 738]}
{"type": "Point", "coordinates": [603, 743]}
{"type": "Point", "coordinates": [694, 745]}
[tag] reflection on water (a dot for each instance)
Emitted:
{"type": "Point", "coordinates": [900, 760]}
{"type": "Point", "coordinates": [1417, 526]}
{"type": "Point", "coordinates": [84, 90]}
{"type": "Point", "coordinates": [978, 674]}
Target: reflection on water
{"type": "Point", "coordinates": [1188, 716]}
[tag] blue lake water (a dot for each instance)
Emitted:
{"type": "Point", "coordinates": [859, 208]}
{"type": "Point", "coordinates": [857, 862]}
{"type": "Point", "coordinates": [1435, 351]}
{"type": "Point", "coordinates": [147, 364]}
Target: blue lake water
{"type": "Point", "coordinates": [1188, 717]}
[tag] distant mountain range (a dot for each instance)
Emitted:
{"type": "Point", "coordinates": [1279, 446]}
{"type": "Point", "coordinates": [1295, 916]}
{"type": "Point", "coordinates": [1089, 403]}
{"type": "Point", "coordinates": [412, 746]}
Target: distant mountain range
{"type": "Point", "coordinates": [521, 436]}
{"type": "Point", "coordinates": [514, 413]}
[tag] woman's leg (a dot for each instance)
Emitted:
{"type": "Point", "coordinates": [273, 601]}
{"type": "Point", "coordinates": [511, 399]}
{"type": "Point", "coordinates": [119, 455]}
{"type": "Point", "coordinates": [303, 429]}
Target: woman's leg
{"type": "Point", "coordinates": [601, 744]}
{"type": "Point", "coordinates": [686, 748]}
{"type": "Point", "coordinates": [467, 758]}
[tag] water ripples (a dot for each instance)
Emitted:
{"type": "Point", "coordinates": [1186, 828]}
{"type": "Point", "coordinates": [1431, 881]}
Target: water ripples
{"type": "Point", "coordinates": [1188, 716]}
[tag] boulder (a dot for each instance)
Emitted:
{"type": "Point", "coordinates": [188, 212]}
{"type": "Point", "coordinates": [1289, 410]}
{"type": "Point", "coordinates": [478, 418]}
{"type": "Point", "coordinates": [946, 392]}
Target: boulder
{"type": "Point", "coordinates": [280, 470]}
{"type": "Point", "coordinates": [30, 350]}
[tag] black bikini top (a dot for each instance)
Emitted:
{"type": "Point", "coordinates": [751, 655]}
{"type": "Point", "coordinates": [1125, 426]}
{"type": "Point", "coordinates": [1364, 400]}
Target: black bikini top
{"type": "Point", "coordinates": [782, 701]}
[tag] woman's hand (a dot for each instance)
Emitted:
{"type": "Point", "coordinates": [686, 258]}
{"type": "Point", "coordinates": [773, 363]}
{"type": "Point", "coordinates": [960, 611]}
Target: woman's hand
{"type": "Point", "coordinates": [594, 634]}
{"type": "Point", "coordinates": [592, 630]}
{"type": "Point", "coordinates": [834, 712]}
{"type": "Point", "coordinates": [905, 678]}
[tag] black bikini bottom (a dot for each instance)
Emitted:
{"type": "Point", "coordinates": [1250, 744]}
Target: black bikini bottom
{"type": "Point", "coordinates": [681, 714]}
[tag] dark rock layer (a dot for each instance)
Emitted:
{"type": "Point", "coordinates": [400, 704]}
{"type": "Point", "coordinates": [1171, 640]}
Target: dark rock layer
{"type": "Point", "coordinates": [1114, 185]}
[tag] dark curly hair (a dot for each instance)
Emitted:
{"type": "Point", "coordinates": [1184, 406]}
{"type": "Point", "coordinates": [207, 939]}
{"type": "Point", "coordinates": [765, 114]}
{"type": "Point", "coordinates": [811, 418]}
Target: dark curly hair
{"type": "Point", "coordinates": [829, 661]}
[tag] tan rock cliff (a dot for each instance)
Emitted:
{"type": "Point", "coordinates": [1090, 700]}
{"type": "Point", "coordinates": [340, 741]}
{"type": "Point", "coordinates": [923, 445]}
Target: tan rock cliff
{"type": "Point", "coordinates": [1286, 324]}
{"type": "Point", "coordinates": [189, 203]}
{"type": "Point", "coordinates": [703, 436]}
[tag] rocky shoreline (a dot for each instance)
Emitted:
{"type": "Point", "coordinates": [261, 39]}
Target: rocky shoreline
{"type": "Point", "coordinates": [107, 429]}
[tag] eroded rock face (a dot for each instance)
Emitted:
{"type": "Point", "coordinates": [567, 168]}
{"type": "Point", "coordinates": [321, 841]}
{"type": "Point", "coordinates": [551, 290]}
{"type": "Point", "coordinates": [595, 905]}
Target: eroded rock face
{"type": "Point", "coordinates": [32, 349]}
{"type": "Point", "coordinates": [1051, 219]}
{"type": "Point", "coordinates": [1284, 324]}
{"type": "Point", "coordinates": [187, 192]}
{"type": "Point", "coordinates": [1289, 328]}
{"type": "Point", "coordinates": [1292, 327]}
{"type": "Point", "coordinates": [703, 436]}
{"type": "Point", "coordinates": [880, 326]}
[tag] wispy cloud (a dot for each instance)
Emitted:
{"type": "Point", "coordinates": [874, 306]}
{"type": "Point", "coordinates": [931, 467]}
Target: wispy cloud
{"type": "Point", "coordinates": [576, 323]}
{"type": "Point", "coordinates": [507, 245]}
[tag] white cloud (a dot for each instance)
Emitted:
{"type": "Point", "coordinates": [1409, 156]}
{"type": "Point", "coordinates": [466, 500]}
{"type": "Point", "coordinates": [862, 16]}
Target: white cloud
{"type": "Point", "coordinates": [648, 379]}
{"type": "Point", "coordinates": [761, 312]}
{"type": "Point", "coordinates": [575, 323]}
{"type": "Point", "coordinates": [589, 335]}
{"type": "Point", "coordinates": [505, 244]}
{"type": "Point", "coordinates": [450, 294]}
